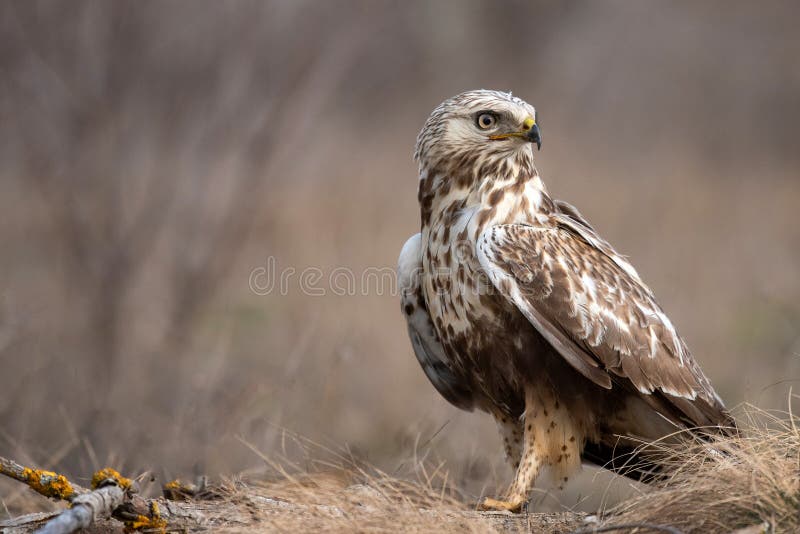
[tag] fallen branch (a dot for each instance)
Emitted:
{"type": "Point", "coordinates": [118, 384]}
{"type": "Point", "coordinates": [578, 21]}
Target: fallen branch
{"type": "Point", "coordinates": [85, 510]}
{"type": "Point", "coordinates": [46, 483]}
{"type": "Point", "coordinates": [109, 491]}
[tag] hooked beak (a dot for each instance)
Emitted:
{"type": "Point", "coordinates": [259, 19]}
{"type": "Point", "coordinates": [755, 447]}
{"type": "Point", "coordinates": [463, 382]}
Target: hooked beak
{"type": "Point", "coordinates": [534, 136]}
{"type": "Point", "coordinates": [529, 132]}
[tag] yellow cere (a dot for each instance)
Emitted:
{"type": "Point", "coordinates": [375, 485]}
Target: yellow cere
{"type": "Point", "coordinates": [529, 123]}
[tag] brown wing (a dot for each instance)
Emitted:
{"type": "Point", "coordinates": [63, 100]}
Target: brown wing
{"type": "Point", "coordinates": [591, 305]}
{"type": "Point", "coordinates": [571, 212]}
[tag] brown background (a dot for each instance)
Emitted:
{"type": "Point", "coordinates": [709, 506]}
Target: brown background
{"type": "Point", "coordinates": [154, 154]}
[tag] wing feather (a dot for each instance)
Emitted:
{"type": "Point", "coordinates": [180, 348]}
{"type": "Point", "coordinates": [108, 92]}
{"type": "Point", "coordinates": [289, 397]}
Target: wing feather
{"type": "Point", "coordinates": [590, 303]}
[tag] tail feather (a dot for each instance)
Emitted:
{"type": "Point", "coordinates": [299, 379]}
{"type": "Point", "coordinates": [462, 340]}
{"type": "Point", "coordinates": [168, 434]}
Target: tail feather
{"type": "Point", "coordinates": [647, 463]}
{"type": "Point", "coordinates": [624, 460]}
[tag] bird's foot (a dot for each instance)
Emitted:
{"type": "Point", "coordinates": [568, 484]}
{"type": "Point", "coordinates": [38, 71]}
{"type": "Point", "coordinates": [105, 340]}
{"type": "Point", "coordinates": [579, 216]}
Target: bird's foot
{"type": "Point", "coordinates": [489, 504]}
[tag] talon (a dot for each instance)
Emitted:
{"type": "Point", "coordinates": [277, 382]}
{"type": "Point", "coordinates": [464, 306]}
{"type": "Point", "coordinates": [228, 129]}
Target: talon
{"type": "Point", "coordinates": [496, 505]}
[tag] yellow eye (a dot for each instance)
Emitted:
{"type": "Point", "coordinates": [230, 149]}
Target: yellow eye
{"type": "Point", "coordinates": [486, 121]}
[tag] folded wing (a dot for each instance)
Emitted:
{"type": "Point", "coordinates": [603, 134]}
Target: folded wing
{"type": "Point", "coordinates": [591, 305]}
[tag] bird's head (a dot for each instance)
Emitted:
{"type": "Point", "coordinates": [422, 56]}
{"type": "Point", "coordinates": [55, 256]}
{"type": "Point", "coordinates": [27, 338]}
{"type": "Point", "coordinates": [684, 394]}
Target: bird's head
{"type": "Point", "coordinates": [478, 127]}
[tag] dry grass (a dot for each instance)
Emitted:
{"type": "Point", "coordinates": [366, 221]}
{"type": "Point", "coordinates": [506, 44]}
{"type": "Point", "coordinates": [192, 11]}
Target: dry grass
{"type": "Point", "coordinates": [347, 501]}
{"type": "Point", "coordinates": [357, 500]}
{"type": "Point", "coordinates": [728, 483]}
{"type": "Point", "coordinates": [719, 485]}
{"type": "Point", "coordinates": [715, 485]}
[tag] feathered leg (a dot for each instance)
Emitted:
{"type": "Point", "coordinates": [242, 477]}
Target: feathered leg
{"type": "Point", "coordinates": [550, 438]}
{"type": "Point", "coordinates": [511, 431]}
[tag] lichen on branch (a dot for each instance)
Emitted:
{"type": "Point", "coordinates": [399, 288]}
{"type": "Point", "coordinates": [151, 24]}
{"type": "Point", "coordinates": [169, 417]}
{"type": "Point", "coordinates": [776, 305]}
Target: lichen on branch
{"type": "Point", "coordinates": [47, 483]}
{"type": "Point", "coordinates": [108, 473]}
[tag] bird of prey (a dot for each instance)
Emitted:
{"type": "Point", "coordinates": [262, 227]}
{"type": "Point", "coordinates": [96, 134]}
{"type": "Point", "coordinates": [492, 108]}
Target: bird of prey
{"type": "Point", "coordinates": [517, 307]}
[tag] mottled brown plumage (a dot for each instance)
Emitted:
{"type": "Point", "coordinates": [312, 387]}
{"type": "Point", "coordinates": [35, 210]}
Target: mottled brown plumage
{"type": "Point", "coordinates": [516, 306]}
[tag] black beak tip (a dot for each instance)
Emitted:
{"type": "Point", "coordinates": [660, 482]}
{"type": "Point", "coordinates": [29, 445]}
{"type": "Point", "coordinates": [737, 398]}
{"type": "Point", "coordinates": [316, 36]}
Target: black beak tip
{"type": "Point", "coordinates": [535, 136]}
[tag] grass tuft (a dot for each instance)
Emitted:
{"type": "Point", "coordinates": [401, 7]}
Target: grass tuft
{"type": "Point", "coordinates": [722, 484]}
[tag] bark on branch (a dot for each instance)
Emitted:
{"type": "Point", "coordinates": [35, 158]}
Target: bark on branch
{"type": "Point", "coordinates": [46, 483]}
{"type": "Point", "coordinates": [85, 510]}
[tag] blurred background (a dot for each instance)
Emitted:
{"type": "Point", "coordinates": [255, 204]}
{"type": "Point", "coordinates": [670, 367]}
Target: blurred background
{"type": "Point", "coordinates": [158, 158]}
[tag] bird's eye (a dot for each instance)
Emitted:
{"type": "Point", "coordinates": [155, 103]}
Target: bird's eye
{"type": "Point", "coordinates": [486, 121]}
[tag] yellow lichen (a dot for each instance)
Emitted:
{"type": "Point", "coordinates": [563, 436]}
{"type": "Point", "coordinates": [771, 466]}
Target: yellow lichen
{"type": "Point", "coordinates": [48, 483]}
{"type": "Point", "coordinates": [153, 523]}
{"type": "Point", "coordinates": [106, 473]}
{"type": "Point", "coordinates": [178, 491]}
{"type": "Point", "coordinates": [173, 485]}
